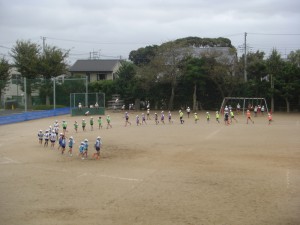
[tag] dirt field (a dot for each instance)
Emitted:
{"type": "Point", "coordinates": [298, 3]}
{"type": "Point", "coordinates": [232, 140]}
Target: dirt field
{"type": "Point", "coordinates": [155, 174]}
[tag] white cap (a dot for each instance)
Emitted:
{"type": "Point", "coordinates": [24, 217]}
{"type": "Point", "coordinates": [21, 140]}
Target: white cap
{"type": "Point", "coordinates": [98, 137]}
{"type": "Point", "coordinates": [41, 131]}
{"type": "Point", "coordinates": [86, 140]}
{"type": "Point", "coordinates": [71, 137]}
{"type": "Point", "coordinates": [207, 112]}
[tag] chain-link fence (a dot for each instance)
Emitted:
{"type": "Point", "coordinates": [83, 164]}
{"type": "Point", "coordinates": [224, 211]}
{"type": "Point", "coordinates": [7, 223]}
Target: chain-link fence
{"type": "Point", "coordinates": [21, 94]}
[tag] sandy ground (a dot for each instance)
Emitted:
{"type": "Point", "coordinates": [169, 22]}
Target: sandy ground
{"type": "Point", "coordinates": [155, 174]}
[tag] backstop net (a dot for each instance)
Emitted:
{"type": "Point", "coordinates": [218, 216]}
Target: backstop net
{"type": "Point", "coordinates": [87, 104]}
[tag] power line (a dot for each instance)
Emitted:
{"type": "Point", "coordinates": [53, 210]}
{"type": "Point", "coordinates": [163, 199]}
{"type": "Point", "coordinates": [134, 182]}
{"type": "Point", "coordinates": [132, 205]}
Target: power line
{"type": "Point", "coordinates": [275, 34]}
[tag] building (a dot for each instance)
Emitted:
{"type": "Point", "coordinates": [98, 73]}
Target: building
{"type": "Point", "coordinates": [96, 69]}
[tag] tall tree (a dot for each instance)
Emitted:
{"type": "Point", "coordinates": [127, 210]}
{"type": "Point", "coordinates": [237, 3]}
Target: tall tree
{"type": "Point", "coordinates": [26, 59]}
{"type": "Point", "coordinates": [4, 75]}
{"type": "Point", "coordinates": [274, 68]}
{"type": "Point", "coordinates": [52, 63]}
{"type": "Point", "coordinates": [195, 73]}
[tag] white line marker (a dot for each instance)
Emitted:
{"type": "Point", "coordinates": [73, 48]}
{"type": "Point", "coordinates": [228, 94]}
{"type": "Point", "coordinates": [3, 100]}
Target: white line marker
{"type": "Point", "coordinates": [6, 160]}
{"type": "Point", "coordinates": [213, 134]}
{"type": "Point", "coordinates": [107, 176]}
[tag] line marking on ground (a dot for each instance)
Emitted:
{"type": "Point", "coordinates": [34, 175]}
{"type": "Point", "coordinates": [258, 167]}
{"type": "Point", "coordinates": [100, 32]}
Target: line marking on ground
{"type": "Point", "coordinates": [107, 176]}
{"type": "Point", "coordinates": [212, 134]}
{"type": "Point", "coordinates": [6, 160]}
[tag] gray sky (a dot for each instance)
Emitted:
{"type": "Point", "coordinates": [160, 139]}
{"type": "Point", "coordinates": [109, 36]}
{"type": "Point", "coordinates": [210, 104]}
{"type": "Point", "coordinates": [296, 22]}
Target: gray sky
{"type": "Point", "coordinates": [114, 28]}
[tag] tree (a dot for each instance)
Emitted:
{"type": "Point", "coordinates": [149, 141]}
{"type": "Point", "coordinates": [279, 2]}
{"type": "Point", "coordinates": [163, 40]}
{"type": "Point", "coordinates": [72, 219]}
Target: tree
{"type": "Point", "coordinates": [26, 59]}
{"type": "Point", "coordinates": [294, 57]}
{"type": "Point", "coordinates": [51, 64]}
{"type": "Point", "coordinates": [4, 75]}
{"type": "Point", "coordinates": [195, 73]}
{"type": "Point", "coordinates": [274, 68]}
{"type": "Point", "coordinates": [143, 56]}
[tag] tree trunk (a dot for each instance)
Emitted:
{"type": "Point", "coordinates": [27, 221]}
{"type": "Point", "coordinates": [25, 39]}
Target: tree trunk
{"type": "Point", "coordinates": [287, 105]}
{"type": "Point", "coordinates": [195, 98]}
{"type": "Point", "coordinates": [172, 98]}
{"type": "Point", "coordinates": [272, 104]}
{"type": "Point", "coordinates": [29, 101]}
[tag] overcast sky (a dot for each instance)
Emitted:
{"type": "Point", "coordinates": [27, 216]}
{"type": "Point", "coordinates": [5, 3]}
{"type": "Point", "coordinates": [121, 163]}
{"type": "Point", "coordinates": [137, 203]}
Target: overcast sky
{"type": "Point", "coordinates": [113, 28]}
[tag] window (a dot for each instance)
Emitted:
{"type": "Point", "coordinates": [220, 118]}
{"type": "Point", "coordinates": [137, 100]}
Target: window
{"type": "Point", "coordinates": [101, 76]}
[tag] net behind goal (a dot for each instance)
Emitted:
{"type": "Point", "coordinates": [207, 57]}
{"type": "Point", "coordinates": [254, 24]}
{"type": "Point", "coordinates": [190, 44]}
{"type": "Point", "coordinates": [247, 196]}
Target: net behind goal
{"type": "Point", "coordinates": [243, 104]}
{"type": "Point", "coordinates": [87, 103]}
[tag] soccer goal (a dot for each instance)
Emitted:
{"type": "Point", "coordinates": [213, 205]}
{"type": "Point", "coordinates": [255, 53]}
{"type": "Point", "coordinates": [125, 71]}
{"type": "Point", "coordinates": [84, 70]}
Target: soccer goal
{"type": "Point", "coordinates": [243, 103]}
{"type": "Point", "coordinates": [87, 104]}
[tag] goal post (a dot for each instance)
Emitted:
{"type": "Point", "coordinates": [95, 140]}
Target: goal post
{"type": "Point", "coordinates": [244, 102]}
{"type": "Point", "coordinates": [93, 103]}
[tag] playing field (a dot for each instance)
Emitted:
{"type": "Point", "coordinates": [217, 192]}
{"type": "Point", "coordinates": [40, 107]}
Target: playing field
{"type": "Point", "coordinates": [208, 174]}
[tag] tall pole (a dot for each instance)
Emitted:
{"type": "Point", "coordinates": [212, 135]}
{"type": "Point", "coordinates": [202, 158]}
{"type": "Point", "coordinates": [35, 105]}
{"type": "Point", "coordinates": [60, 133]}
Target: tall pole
{"type": "Point", "coordinates": [25, 94]}
{"type": "Point", "coordinates": [86, 91]}
{"type": "Point", "coordinates": [245, 58]}
{"type": "Point", "coordinates": [54, 94]}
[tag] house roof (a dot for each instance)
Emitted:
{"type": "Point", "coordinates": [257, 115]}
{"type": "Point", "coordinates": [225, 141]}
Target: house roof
{"type": "Point", "coordinates": [94, 65]}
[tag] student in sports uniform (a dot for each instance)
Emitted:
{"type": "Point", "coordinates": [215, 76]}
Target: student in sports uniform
{"type": "Point", "coordinates": [156, 118]}
{"type": "Point", "coordinates": [52, 138]}
{"type": "Point", "coordinates": [137, 120]}
{"type": "Point", "coordinates": [196, 117]}
{"type": "Point", "coordinates": [108, 121]}
{"type": "Point", "coordinates": [63, 144]}
{"type": "Point", "coordinates": [92, 123]}
{"type": "Point", "coordinates": [249, 116]}
{"type": "Point", "coordinates": [148, 114]}
{"type": "Point", "coordinates": [127, 119]}
{"type": "Point", "coordinates": [40, 136]}
{"type": "Point", "coordinates": [162, 117]}
{"type": "Point", "coordinates": [207, 117]}
{"type": "Point", "coordinates": [64, 126]}
{"type": "Point", "coordinates": [226, 118]}
{"type": "Point", "coordinates": [144, 119]}
{"type": "Point", "coordinates": [170, 117]}
{"type": "Point", "coordinates": [76, 126]}
{"type": "Point", "coordinates": [71, 144]}
{"type": "Point", "coordinates": [98, 145]}
{"type": "Point", "coordinates": [188, 110]}
{"type": "Point", "coordinates": [181, 117]}
{"type": "Point", "coordinates": [86, 148]}
{"type": "Point", "coordinates": [217, 117]}
{"type": "Point", "coordinates": [46, 137]}
{"type": "Point", "coordinates": [100, 122]}
{"type": "Point", "coordinates": [83, 124]}
{"type": "Point", "coordinates": [81, 150]}
{"type": "Point", "coordinates": [232, 117]}
{"type": "Point", "coordinates": [270, 119]}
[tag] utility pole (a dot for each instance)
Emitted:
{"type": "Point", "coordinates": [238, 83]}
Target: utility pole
{"type": "Point", "coordinates": [245, 58]}
{"type": "Point", "coordinates": [44, 43]}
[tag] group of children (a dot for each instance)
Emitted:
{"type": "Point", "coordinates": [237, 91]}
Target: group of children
{"type": "Point", "coordinates": [52, 135]}
{"type": "Point", "coordinates": [100, 123]}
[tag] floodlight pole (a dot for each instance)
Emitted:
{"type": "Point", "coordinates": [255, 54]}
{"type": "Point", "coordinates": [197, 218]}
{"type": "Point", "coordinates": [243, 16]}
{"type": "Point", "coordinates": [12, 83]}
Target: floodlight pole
{"type": "Point", "coordinates": [25, 94]}
{"type": "Point", "coordinates": [245, 58]}
{"type": "Point", "coordinates": [86, 91]}
{"type": "Point", "coordinates": [54, 94]}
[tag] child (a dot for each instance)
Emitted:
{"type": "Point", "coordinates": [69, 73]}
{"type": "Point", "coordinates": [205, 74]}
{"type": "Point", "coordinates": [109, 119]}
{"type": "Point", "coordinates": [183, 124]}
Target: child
{"type": "Point", "coordinates": [81, 150]}
{"type": "Point", "coordinates": [127, 119]}
{"type": "Point", "coordinates": [170, 117]}
{"type": "Point", "coordinates": [143, 118]}
{"type": "Point", "coordinates": [217, 117]}
{"type": "Point", "coordinates": [249, 116]}
{"type": "Point", "coordinates": [108, 120]}
{"type": "Point", "coordinates": [226, 118]}
{"type": "Point", "coordinates": [63, 144]}
{"type": "Point", "coordinates": [148, 114]}
{"type": "Point", "coordinates": [181, 117]}
{"type": "Point", "coordinates": [270, 118]}
{"type": "Point", "coordinates": [83, 124]}
{"type": "Point", "coordinates": [97, 147]}
{"type": "Point", "coordinates": [71, 143]}
{"type": "Point", "coordinates": [56, 129]}
{"type": "Point", "coordinates": [59, 141]}
{"type": "Point", "coordinates": [76, 126]}
{"type": "Point", "coordinates": [40, 136]}
{"type": "Point", "coordinates": [137, 119]}
{"type": "Point", "coordinates": [162, 117]}
{"type": "Point", "coordinates": [156, 118]}
{"type": "Point", "coordinates": [100, 122]}
{"type": "Point", "coordinates": [52, 138]}
{"type": "Point", "coordinates": [64, 125]}
{"type": "Point", "coordinates": [86, 148]}
{"type": "Point", "coordinates": [188, 110]}
{"type": "Point", "coordinates": [232, 117]}
{"type": "Point", "coordinates": [207, 117]}
{"type": "Point", "coordinates": [92, 123]}
{"type": "Point", "coordinates": [46, 137]}
{"type": "Point", "coordinates": [196, 117]}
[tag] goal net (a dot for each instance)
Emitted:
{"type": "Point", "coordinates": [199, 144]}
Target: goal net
{"type": "Point", "coordinates": [242, 104]}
